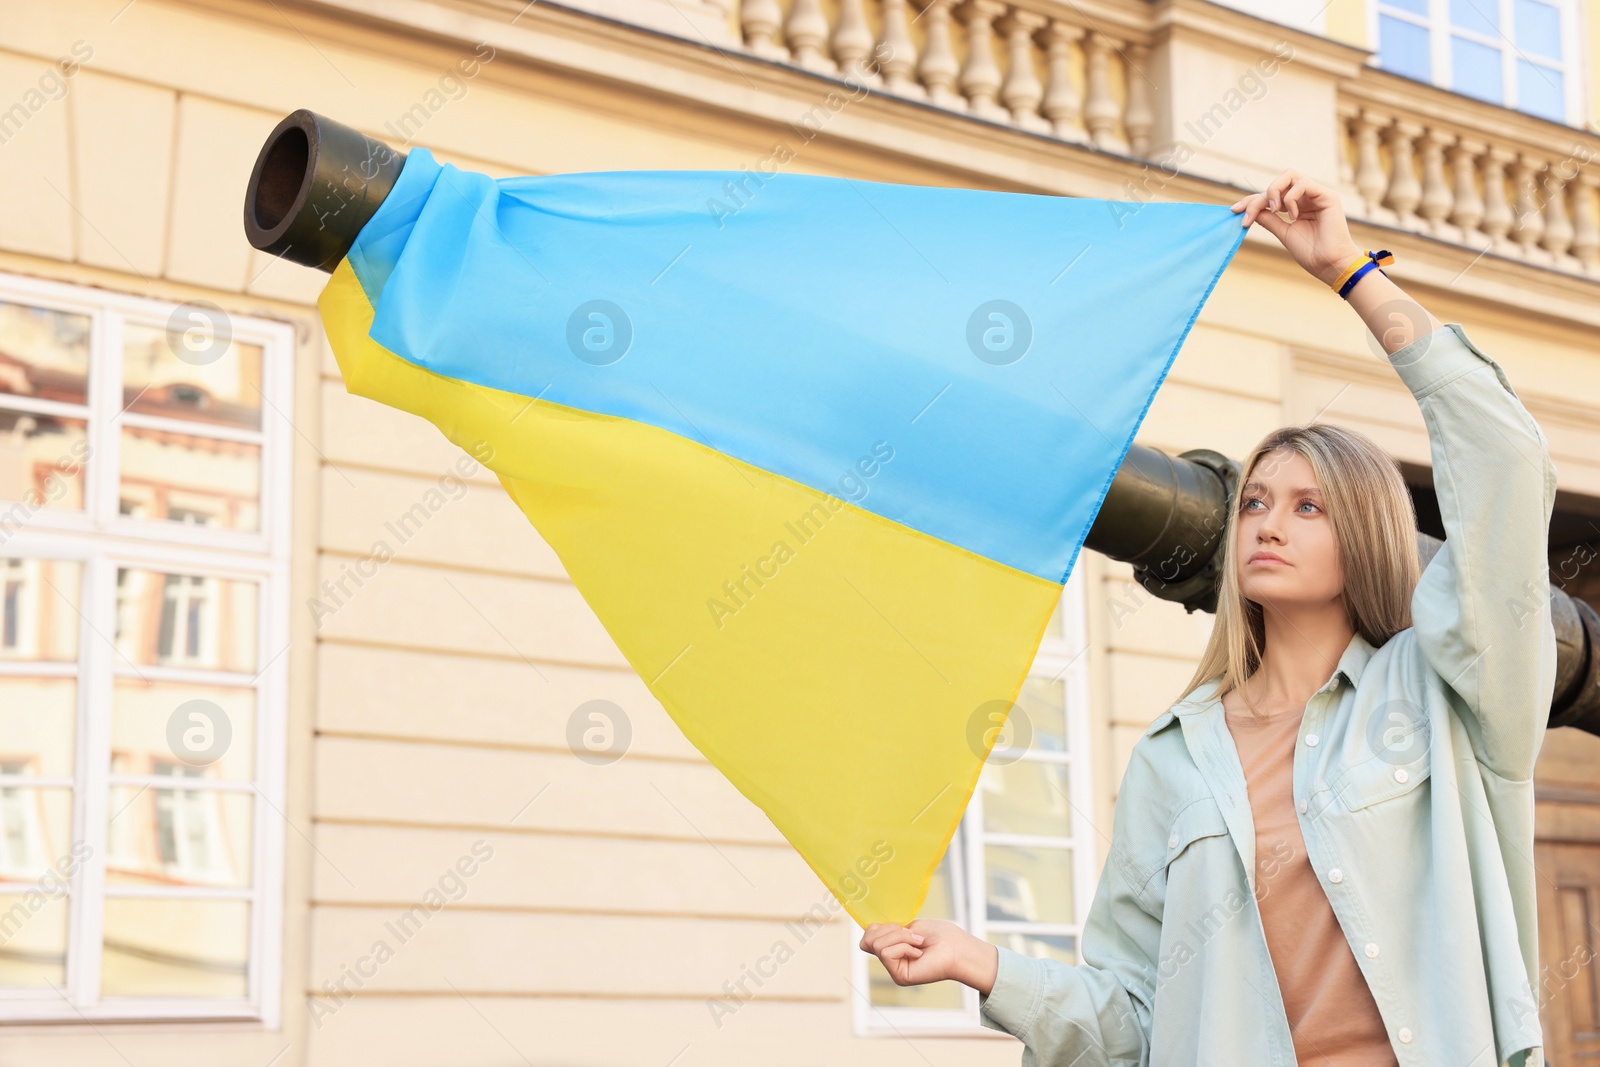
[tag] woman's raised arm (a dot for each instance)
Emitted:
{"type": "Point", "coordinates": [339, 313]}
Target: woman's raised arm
{"type": "Point", "coordinates": [1481, 612]}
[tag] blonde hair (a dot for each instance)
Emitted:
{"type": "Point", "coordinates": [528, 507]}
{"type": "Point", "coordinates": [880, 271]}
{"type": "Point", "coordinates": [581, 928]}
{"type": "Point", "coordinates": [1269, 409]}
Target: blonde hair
{"type": "Point", "coordinates": [1375, 529]}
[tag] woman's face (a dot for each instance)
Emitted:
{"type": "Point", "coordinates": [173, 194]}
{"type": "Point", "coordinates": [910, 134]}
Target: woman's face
{"type": "Point", "coordinates": [1282, 514]}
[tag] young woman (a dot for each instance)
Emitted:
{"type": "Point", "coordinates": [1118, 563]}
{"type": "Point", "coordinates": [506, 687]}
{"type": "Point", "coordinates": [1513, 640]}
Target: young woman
{"type": "Point", "coordinates": [1323, 853]}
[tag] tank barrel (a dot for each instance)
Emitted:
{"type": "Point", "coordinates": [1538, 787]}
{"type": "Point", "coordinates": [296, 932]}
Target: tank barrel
{"type": "Point", "coordinates": [1165, 515]}
{"type": "Point", "coordinates": [315, 184]}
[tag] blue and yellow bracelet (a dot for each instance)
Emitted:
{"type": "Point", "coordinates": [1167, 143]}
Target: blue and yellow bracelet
{"type": "Point", "coordinates": [1358, 269]}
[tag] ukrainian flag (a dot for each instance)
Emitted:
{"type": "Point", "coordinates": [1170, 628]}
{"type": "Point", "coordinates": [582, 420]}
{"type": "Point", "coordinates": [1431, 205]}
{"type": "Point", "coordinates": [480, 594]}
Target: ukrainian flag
{"type": "Point", "coordinates": [819, 453]}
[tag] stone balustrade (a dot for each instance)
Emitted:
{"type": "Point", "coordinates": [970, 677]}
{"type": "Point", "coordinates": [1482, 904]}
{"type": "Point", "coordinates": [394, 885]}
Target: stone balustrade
{"type": "Point", "coordinates": [1412, 156]}
{"type": "Point", "coordinates": [1021, 66]}
{"type": "Point", "coordinates": [1529, 193]}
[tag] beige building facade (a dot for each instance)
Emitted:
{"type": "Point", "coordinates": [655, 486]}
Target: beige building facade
{"type": "Point", "coordinates": [311, 754]}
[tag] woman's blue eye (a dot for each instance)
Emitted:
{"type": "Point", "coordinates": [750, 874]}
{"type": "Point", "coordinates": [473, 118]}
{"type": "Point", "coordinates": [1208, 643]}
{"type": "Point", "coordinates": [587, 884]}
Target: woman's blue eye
{"type": "Point", "coordinates": [1257, 500]}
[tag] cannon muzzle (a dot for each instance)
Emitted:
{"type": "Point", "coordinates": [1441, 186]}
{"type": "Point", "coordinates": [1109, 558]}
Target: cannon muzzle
{"type": "Point", "coordinates": [315, 184]}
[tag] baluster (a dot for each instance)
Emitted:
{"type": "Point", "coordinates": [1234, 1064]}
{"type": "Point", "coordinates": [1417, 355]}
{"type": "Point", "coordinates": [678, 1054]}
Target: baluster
{"type": "Point", "coordinates": [1586, 220]}
{"type": "Point", "coordinates": [1497, 216]}
{"type": "Point", "coordinates": [1061, 104]}
{"type": "Point", "coordinates": [1021, 90]}
{"type": "Point", "coordinates": [852, 43]}
{"type": "Point", "coordinates": [896, 52]}
{"type": "Point", "coordinates": [1404, 191]}
{"type": "Point", "coordinates": [1436, 199]}
{"type": "Point", "coordinates": [1467, 210]}
{"type": "Point", "coordinates": [1558, 235]}
{"type": "Point", "coordinates": [1370, 178]}
{"type": "Point", "coordinates": [1141, 118]}
{"type": "Point", "coordinates": [1530, 220]}
{"type": "Point", "coordinates": [761, 20]}
{"type": "Point", "coordinates": [937, 64]}
{"type": "Point", "coordinates": [1348, 113]}
{"type": "Point", "coordinates": [1100, 111]}
{"type": "Point", "coordinates": [807, 31]}
{"type": "Point", "coordinates": [980, 74]}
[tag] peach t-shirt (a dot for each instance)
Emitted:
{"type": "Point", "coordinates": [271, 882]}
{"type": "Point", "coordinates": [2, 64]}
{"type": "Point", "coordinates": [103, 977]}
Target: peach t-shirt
{"type": "Point", "coordinates": [1334, 1020]}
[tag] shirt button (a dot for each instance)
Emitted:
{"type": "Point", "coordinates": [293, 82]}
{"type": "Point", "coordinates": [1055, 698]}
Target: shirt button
{"type": "Point", "coordinates": [1336, 875]}
{"type": "Point", "coordinates": [1405, 1034]}
{"type": "Point", "coordinates": [1311, 739]}
{"type": "Point", "coordinates": [1400, 774]}
{"type": "Point", "coordinates": [1371, 949]}
{"type": "Point", "coordinates": [1172, 842]}
{"type": "Point", "coordinates": [1302, 807]}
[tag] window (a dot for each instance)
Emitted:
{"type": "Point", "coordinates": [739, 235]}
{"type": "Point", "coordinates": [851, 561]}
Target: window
{"type": "Point", "coordinates": [1021, 870]}
{"type": "Point", "coordinates": [1516, 53]}
{"type": "Point", "coordinates": [144, 465]}
{"type": "Point", "coordinates": [1308, 15]}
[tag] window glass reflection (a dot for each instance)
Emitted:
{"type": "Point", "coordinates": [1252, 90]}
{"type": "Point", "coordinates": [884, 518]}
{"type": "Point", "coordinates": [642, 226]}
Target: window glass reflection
{"type": "Point", "coordinates": [39, 609]}
{"type": "Point", "coordinates": [42, 463]}
{"type": "Point", "coordinates": [174, 836]}
{"type": "Point", "coordinates": [180, 477]}
{"type": "Point", "coordinates": [1539, 29]}
{"type": "Point", "coordinates": [1026, 797]}
{"type": "Point", "coordinates": [186, 620]}
{"type": "Point", "coordinates": [208, 727]}
{"type": "Point", "coordinates": [1475, 69]}
{"type": "Point", "coordinates": [35, 830]}
{"type": "Point", "coordinates": [175, 948]}
{"type": "Point", "coordinates": [1063, 947]}
{"type": "Point", "coordinates": [38, 724]}
{"type": "Point", "coordinates": [44, 353]}
{"type": "Point", "coordinates": [1041, 724]}
{"type": "Point", "coordinates": [1029, 884]}
{"type": "Point", "coordinates": [1480, 16]}
{"type": "Point", "coordinates": [1403, 48]}
{"type": "Point", "coordinates": [190, 375]}
{"type": "Point", "coordinates": [33, 940]}
{"type": "Point", "coordinates": [1540, 91]}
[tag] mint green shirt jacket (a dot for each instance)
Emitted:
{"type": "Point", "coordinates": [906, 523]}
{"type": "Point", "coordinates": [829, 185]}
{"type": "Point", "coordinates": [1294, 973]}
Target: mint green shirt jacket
{"type": "Point", "coordinates": [1413, 776]}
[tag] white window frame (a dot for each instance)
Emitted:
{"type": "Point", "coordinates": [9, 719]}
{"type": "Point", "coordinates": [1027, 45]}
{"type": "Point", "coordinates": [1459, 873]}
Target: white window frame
{"type": "Point", "coordinates": [1063, 658]}
{"type": "Point", "coordinates": [1574, 72]}
{"type": "Point", "coordinates": [102, 541]}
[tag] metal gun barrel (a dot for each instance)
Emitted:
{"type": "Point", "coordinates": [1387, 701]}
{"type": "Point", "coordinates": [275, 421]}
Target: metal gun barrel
{"type": "Point", "coordinates": [315, 184]}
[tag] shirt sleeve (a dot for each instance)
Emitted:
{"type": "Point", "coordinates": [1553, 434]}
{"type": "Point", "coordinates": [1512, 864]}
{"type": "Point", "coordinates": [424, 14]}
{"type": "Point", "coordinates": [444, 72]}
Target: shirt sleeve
{"type": "Point", "coordinates": [1091, 1014]}
{"type": "Point", "coordinates": [1481, 611]}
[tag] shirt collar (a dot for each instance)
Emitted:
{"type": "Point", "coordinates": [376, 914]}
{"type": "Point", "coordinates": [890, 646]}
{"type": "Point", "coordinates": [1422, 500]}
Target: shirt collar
{"type": "Point", "coordinates": [1354, 660]}
{"type": "Point", "coordinates": [1351, 665]}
